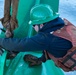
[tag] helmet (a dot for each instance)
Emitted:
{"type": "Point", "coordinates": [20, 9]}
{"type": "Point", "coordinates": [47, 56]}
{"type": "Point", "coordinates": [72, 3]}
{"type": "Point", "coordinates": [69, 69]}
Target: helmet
{"type": "Point", "coordinates": [42, 13]}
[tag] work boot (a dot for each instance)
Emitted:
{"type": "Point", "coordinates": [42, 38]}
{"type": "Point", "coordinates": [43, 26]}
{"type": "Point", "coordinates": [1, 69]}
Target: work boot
{"type": "Point", "coordinates": [33, 60]}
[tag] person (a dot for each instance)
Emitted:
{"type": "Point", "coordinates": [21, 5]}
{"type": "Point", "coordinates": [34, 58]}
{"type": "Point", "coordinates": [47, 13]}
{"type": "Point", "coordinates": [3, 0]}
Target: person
{"type": "Point", "coordinates": [45, 22]}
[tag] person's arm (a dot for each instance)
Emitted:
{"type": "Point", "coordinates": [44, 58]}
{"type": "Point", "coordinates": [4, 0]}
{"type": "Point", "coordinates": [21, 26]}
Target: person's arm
{"type": "Point", "coordinates": [35, 43]}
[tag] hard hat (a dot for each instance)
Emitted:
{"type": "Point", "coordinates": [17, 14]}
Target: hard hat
{"type": "Point", "coordinates": [41, 14]}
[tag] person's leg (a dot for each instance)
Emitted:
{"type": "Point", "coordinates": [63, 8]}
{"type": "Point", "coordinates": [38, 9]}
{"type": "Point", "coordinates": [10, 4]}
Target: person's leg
{"type": "Point", "coordinates": [43, 57]}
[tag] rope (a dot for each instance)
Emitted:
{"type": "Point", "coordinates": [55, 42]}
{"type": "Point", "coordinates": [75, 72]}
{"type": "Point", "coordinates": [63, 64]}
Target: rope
{"type": "Point", "coordinates": [5, 20]}
{"type": "Point", "coordinates": [9, 21]}
{"type": "Point", "coordinates": [13, 20]}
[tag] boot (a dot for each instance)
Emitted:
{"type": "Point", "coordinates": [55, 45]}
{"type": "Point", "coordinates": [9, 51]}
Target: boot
{"type": "Point", "coordinates": [33, 60]}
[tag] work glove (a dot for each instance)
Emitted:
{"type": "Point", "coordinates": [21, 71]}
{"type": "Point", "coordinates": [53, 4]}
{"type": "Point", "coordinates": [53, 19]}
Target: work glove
{"type": "Point", "coordinates": [1, 51]}
{"type": "Point", "coordinates": [32, 60]}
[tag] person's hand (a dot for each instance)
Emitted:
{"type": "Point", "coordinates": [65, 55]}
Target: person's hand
{"type": "Point", "coordinates": [9, 33]}
{"type": "Point", "coordinates": [1, 51]}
